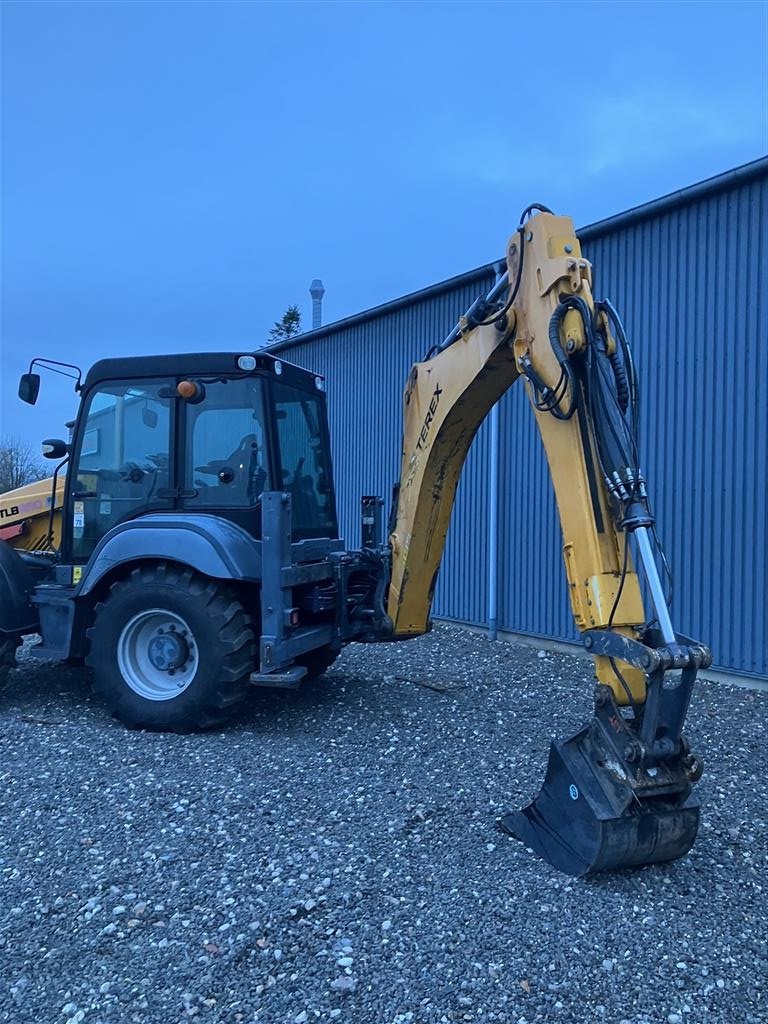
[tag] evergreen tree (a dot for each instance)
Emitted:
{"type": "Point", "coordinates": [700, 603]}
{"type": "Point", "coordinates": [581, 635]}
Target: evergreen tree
{"type": "Point", "coordinates": [287, 326]}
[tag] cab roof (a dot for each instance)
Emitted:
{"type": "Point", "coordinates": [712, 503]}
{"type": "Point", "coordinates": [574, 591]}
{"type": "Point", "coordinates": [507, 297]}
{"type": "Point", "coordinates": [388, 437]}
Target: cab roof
{"type": "Point", "coordinates": [195, 364]}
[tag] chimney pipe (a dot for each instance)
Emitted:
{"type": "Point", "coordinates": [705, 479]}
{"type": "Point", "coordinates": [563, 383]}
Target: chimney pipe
{"type": "Point", "coordinates": [317, 292]}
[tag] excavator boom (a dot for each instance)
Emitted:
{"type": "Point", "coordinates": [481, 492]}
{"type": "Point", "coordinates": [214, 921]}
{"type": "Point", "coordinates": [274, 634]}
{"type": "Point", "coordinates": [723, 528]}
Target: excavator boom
{"type": "Point", "coordinates": [618, 793]}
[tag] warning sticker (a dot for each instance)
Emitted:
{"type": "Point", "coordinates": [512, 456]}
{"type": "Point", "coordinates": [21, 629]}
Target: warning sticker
{"type": "Point", "coordinates": [79, 506]}
{"type": "Point", "coordinates": [77, 573]}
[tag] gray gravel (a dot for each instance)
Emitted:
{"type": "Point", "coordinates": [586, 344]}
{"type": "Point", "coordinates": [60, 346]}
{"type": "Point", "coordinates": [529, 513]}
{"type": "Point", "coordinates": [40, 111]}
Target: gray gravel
{"type": "Point", "coordinates": [332, 855]}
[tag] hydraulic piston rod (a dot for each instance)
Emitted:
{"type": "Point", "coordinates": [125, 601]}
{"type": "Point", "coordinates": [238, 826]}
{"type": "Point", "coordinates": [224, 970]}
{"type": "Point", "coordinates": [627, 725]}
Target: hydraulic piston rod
{"type": "Point", "coordinates": [480, 303]}
{"type": "Point", "coordinates": [654, 584]}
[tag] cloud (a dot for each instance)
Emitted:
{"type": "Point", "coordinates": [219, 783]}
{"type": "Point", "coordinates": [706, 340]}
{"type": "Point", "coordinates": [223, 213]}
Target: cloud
{"type": "Point", "coordinates": [648, 128]}
{"type": "Point", "coordinates": [623, 132]}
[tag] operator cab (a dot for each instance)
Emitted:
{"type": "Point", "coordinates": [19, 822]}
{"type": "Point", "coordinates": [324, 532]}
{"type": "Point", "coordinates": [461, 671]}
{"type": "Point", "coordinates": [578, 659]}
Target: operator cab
{"type": "Point", "coordinates": [149, 438]}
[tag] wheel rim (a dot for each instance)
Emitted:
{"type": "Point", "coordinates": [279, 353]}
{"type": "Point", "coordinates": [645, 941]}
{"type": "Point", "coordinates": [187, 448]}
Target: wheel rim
{"type": "Point", "coordinates": [157, 654]}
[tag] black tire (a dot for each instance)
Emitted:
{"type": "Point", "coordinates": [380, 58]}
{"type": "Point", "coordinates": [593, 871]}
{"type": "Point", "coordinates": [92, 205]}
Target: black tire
{"type": "Point", "coordinates": [220, 653]}
{"type": "Point", "coordinates": [7, 658]}
{"type": "Point", "coordinates": [317, 662]}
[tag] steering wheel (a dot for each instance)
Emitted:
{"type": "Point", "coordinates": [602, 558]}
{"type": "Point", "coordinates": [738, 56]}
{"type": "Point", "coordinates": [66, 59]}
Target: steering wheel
{"type": "Point", "coordinates": [132, 473]}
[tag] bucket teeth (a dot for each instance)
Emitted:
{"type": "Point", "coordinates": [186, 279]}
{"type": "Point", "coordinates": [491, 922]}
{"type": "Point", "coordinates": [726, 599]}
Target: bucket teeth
{"type": "Point", "coordinates": [592, 814]}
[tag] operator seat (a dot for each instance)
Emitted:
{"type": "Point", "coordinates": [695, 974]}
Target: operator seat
{"type": "Point", "coordinates": [247, 473]}
{"type": "Point", "coordinates": [239, 477]}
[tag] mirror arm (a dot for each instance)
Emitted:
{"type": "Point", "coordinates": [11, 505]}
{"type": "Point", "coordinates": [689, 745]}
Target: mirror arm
{"type": "Point", "coordinates": [51, 364]}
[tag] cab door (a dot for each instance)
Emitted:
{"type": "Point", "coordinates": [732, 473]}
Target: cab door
{"type": "Point", "coordinates": [122, 464]}
{"type": "Point", "coordinates": [226, 451]}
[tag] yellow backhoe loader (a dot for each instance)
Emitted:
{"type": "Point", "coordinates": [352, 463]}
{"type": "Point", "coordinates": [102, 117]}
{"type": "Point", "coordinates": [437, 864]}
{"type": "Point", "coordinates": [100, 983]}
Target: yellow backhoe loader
{"type": "Point", "coordinates": [188, 544]}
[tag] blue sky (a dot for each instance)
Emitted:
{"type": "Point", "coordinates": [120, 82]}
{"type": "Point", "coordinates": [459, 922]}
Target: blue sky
{"type": "Point", "coordinates": [175, 174]}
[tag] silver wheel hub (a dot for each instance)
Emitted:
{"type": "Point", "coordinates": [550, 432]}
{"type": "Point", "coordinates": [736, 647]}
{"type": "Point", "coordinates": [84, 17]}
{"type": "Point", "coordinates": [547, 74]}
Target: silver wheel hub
{"type": "Point", "coordinates": [157, 654]}
{"type": "Point", "coordinates": [168, 650]}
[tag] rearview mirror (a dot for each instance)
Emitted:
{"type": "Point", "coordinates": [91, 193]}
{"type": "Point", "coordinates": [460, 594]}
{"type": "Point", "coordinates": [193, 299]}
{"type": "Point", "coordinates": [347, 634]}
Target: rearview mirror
{"type": "Point", "coordinates": [55, 449]}
{"type": "Point", "coordinates": [29, 387]}
{"type": "Point", "coordinates": [149, 418]}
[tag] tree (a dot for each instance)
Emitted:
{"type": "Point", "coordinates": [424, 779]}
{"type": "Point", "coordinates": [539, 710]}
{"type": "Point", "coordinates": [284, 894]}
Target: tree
{"type": "Point", "coordinates": [287, 326]}
{"type": "Point", "coordinates": [19, 464]}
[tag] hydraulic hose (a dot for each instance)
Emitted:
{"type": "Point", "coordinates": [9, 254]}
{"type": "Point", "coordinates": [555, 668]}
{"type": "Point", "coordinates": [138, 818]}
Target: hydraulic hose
{"type": "Point", "coordinates": [622, 381]}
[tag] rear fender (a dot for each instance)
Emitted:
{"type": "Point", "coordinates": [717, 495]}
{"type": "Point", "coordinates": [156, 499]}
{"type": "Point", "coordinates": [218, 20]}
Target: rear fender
{"type": "Point", "coordinates": [208, 544]}
{"type": "Point", "coordinates": [17, 613]}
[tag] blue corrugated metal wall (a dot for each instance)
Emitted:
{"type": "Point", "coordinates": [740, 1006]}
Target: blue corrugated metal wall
{"type": "Point", "coordinates": [690, 278]}
{"type": "Point", "coordinates": [366, 365]}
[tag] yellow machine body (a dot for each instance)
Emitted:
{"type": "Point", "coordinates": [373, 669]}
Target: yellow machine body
{"type": "Point", "coordinates": [25, 515]}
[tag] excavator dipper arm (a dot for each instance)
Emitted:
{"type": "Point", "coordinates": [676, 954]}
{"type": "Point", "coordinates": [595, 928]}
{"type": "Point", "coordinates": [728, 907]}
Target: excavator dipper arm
{"type": "Point", "coordinates": [618, 793]}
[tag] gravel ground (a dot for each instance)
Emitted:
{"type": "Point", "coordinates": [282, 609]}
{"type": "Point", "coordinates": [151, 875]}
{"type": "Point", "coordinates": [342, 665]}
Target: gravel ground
{"type": "Point", "coordinates": [332, 855]}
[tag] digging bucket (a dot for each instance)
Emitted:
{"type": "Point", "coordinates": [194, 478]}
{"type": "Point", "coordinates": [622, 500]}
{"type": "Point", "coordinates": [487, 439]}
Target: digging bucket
{"type": "Point", "coordinates": [592, 814]}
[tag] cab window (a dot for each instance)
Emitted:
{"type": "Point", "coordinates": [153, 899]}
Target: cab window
{"type": "Point", "coordinates": [123, 463]}
{"type": "Point", "coordinates": [304, 460]}
{"type": "Point", "coordinates": [226, 446]}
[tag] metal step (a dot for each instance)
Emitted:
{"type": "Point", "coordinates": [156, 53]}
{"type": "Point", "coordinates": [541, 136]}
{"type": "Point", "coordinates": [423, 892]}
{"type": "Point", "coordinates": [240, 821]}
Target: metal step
{"type": "Point", "coordinates": [48, 653]}
{"type": "Point", "coordinates": [288, 679]}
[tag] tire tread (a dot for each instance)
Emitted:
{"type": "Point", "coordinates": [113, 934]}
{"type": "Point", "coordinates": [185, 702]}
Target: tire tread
{"type": "Point", "coordinates": [230, 624]}
{"type": "Point", "coordinates": [7, 658]}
